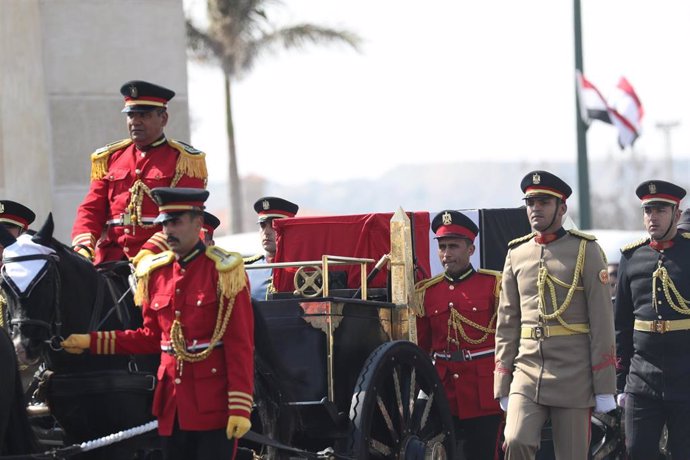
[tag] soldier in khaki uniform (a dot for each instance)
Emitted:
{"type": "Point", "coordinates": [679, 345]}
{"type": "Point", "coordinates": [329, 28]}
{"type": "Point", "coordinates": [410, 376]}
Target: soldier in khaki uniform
{"type": "Point", "coordinates": [555, 351]}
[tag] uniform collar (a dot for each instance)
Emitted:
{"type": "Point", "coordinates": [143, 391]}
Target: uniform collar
{"type": "Point", "coordinates": [157, 143]}
{"type": "Point", "coordinates": [199, 248]}
{"type": "Point", "coordinates": [460, 277]}
{"type": "Point", "coordinates": [661, 245]}
{"type": "Point", "coordinates": [546, 238]}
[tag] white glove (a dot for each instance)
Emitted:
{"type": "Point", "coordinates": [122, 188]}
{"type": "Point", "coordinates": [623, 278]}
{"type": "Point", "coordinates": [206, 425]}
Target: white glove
{"type": "Point", "coordinates": [604, 403]}
{"type": "Point", "coordinates": [503, 402]}
{"type": "Point", "coordinates": [620, 399]}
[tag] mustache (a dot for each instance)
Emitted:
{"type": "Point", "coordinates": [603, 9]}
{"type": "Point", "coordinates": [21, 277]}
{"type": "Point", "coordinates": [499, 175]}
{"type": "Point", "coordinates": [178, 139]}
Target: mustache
{"type": "Point", "coordinates": [172, 239]}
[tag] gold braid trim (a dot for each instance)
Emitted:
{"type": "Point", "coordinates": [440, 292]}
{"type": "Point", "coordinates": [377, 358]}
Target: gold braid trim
{"type": "Point", "coordinates": [669, 287]}
{"type": "Point", "coordinates": [3, 305]}
{"type": "Point", "coordinates": [144, 268]}
{"type": "Point", "coordinates": [455, 323]}
{"type": "Point", "coordinates": [99, 158]}
{"type": "Point", "coordinates": [420, 291]}
{"type": "Point", "coordinates": [546, 280]}
{"type": "Point", "coordinates": [191, 162]}
{"type": "Point", "coordinates": [231, 280]}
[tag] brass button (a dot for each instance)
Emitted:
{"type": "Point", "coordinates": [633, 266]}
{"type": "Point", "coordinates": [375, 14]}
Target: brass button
{"type": "Point", "coordinates": [435, 311]}
{"type": "Point", "coordinates": [659, 302]}
{"type": "Point", "coordinates": [450, 304]}
{"type": "Point", "coordinates": [451, 287]}
{"type": "Point", "coordinates": [182, 270]}
{"type": "Point", "coordinates": [112, 177]}
{"type": "Point", "coordinates": [126, 231]}
{"type": "Point", "coordinates": [137, 171]}
{"type": "Point", "coordinates": [659, 316]}
{"type": "Point", "coordinates": [474, 308]}
{"type": "Point", "coordinates": [178, 381]}
{"type": "Point", "coordinates": [143, 154]}
{"type": "Point", "coordinates": [456, 376]}
{"type": "Point", "coordinates": [198, 303]}
{"type": "Point", "coordinates": [658, 289]}
{"type": "Point", "coordinates": [155, 304]}
{"type": "Point", "coordinates": [126, 249]}
{"type": "Point", "coordinates": [214, 370]}
{"type": "Point", "coordinates": [177, 291]}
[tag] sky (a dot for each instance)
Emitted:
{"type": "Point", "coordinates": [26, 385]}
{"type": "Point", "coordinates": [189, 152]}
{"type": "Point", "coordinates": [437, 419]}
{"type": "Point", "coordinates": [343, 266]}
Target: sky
{"type": "Point", "coordinates": [443, 81]}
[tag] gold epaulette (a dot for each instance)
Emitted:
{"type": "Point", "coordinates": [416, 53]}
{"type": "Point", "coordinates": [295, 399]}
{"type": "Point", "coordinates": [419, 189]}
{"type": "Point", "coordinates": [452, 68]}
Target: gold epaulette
{"type": "Point", "coordinates": [685, 235]}
{"type": "Point", "coordinates": [191, 162]}
{"type": "Point", "coordinates": [635, 244]}
{"type": "Point", "coordinates": [231, 275]}
{"type": "Point", "coordinates": [420, 290]}
{"type": "Point", "coordinates": [251, 259]}
{"type": "Point", "coordinates": [145, 267]}
{"type": "Point", "coordinates": [522, 239]}
{"type": "Point", "coordinates": [495, 273]}
{"type": "Point", "coordinates": [583, 235]}
{"type": "Point", "coordinates": [427, 283]}
{"type": "Point", "coordinates": [99, 158]}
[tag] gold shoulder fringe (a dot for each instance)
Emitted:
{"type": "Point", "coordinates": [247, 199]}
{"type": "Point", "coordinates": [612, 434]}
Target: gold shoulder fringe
{"type": "Point", "coordinates": [145, 267]}
{"type": "Point", "coordinates": [231, 275]}
{"type": "Point", "coordinates": [522, 239]}
{"type": "Point", "coordinates": [635, 244]}
{"type": "Point", "coordinates": [191, 162]}
{"type": "Point", "coordinates": [420, 290]}
{"type": "Point", "coordinates": [251, 259]}
{"type": "Point", "coordinates": [99, 158]}
{"type": "Point", "coordinates": [583, 235]}
{"type": "Point", "coordinates": [498, 275]}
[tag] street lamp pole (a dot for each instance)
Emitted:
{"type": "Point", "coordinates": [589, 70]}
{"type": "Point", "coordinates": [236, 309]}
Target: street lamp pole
{"type": "Point", "coordinates": [582, 163]}
{"type": "Point", "coordinates": [665, 128]}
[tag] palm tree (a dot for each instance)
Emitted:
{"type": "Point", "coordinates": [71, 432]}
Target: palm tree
{"type": "Point", "coordinates": [240, 32]}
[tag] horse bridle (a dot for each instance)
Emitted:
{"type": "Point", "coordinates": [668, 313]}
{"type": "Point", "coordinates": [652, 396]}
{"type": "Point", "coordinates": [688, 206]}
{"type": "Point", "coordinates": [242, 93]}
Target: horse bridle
{"type": "Point", "coordinates": [55, 328]}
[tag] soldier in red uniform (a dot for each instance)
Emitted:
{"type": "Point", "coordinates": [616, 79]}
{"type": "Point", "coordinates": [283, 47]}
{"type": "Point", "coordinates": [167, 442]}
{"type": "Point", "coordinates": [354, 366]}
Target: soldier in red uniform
{"type": "Point", "coordinates": [211, 223]}
{"type": "Point", "coordinates": [457, 328]}
{"type": "Point", "coordinates": [198, 315]}
{"type": "Point", "coordinates": [116, 217]}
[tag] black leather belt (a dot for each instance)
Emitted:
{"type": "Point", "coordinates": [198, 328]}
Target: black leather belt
{"type": "Point", "coordinates": [463, 355]}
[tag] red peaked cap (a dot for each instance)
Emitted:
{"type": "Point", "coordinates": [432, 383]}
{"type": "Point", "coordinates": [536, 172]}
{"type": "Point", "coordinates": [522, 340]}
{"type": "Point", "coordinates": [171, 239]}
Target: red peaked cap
{"type": "Point", "coordinates": [454, 224]}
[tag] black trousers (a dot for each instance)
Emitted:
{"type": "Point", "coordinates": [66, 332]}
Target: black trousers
{"type": "Point", "coordinates": [644, 421]}
{"type": "Point", "coordinates": [480, 436]}
{"type": "Point", "coordinates": [197, 445]}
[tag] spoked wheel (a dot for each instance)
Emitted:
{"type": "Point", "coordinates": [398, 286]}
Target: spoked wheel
{"type": "Point", "coordinates": [399, 409]}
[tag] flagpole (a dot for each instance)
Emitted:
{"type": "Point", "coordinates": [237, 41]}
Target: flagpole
{"type": "Point", "coordinates": [582, 164]}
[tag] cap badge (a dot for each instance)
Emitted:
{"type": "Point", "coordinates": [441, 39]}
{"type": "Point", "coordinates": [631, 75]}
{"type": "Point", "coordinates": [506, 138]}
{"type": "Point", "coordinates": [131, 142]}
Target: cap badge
{"type": "Point", "coordinates": [133, 91]}
{"type": "Point", "coordinates": [265, 204]}
{"type": "Point", "coordinates": [652, 188]}
{"type": "Point", "coordinates": [2, 208]}
{"type": "Point", "coordinates": [536, 178]}
{"type": "Point", "coordinates": [447, 218]}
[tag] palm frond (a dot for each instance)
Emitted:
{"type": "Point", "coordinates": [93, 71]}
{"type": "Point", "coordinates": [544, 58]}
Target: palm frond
{"type": "Point", "coordinates": [201, 46]}
{"type": "Point", "coordinates": [294, 37]}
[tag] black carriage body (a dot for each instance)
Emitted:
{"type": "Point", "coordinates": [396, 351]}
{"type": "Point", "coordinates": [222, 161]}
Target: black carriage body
{"type": "Point", "coordinates": [323, 344]}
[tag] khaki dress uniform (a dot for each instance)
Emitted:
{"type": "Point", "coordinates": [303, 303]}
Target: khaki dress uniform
{"type": "Point", "coordinates": [555, 345]}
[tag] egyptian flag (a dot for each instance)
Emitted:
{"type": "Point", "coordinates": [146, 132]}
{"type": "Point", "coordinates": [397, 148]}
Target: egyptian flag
{"type": "Point", "coordinates": [623, 110]}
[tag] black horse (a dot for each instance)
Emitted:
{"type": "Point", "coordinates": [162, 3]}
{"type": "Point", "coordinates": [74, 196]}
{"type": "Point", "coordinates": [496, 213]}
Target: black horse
{"type": "Point", "coordinates": [16, 435]}
{"type": "Point", "coordinates": [53, 292]}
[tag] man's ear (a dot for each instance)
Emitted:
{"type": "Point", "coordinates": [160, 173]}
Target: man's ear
{"type": "Point", "coordinates": [472, 248]}
{"type": "Point", "coordinates": [164, 116]}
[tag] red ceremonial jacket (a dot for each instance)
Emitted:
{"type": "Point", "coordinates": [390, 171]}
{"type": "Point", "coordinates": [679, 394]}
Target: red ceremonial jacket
{"type": "Point", "coordinates": [201, 394]}
{"type": "Point", "coordinates": [468, 384]}
{"type": "Point", "coordinates": [118, 203]}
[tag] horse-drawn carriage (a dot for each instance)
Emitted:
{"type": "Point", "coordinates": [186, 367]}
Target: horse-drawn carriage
{"type": "Point", "coordinates": [348, 381]}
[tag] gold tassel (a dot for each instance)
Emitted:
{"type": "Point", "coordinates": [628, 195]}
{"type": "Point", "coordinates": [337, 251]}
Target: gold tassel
{"type": "Point", "coordinates": [99, 158]}
{"type": "Point", "coordinates": [231, 282]}
{"type": "Point", "coordinates": [191, 164]}
{"type": "Point", "coordinates": [99, 167]}
{"type": "Point", "coordinates": [142, 294]}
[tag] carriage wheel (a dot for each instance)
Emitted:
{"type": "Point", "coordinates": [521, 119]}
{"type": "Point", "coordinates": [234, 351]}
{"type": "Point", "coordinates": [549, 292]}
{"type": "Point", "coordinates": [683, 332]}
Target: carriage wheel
{"type": "Point", "coordinates": [399, 408]}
